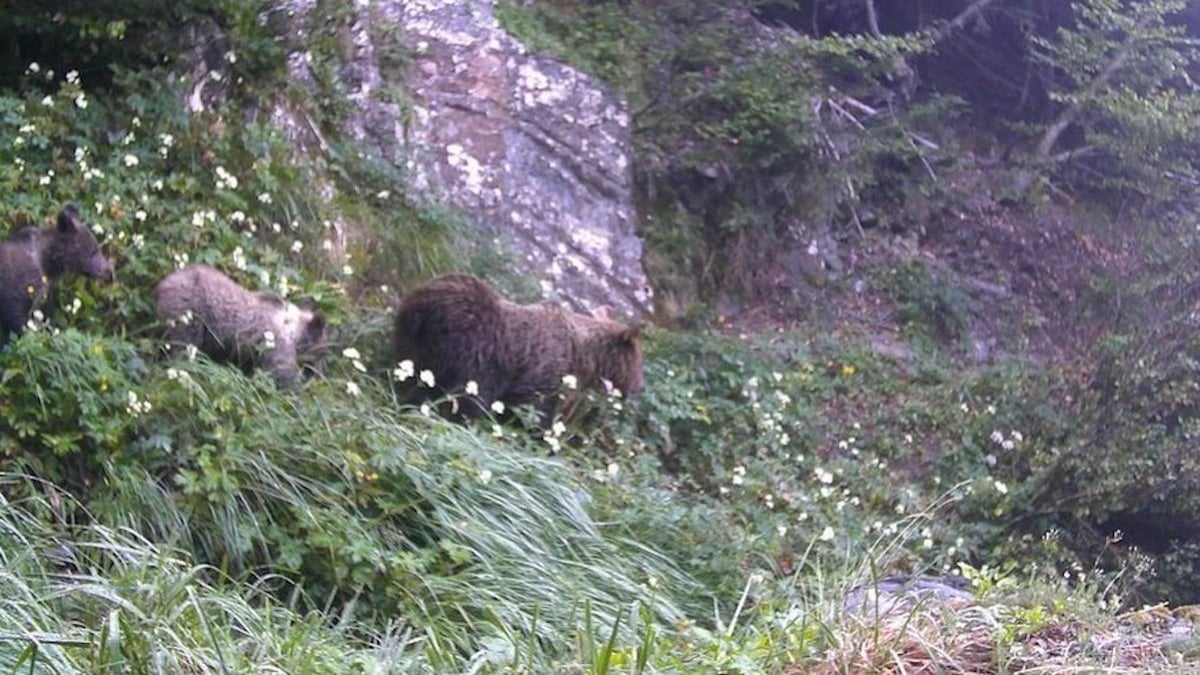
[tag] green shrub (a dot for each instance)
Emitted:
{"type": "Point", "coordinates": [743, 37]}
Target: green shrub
{"type": "Point", "coordinates": [929, 308]}
{"type": "Point", "coordinates": [69, 401]}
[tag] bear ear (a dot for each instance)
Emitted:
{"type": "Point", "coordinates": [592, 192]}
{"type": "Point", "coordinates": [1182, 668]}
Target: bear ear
{"type": "Point", "coordinates": [317, 323]}
{"type": "Point", "coordinates": [68, 218]}
{"type": "Point", "coordinates": [630, 333]}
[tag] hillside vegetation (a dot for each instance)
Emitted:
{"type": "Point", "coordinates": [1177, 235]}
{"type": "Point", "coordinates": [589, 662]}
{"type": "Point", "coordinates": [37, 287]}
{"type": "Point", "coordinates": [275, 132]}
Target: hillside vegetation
{"type": "Point", "coordinates": [803, 434]}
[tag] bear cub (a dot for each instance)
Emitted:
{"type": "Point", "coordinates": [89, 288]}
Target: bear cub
{"type": "Point", "coordinates": [461, 330]}
{"type": "Point", "coordinates": [202, 307]}
{"type": "Point", "coordinates": [33, 257]}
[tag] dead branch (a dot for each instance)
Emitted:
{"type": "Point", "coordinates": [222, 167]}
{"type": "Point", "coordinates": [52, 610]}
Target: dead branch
{"type": "Point", "coordinates": [873, 19]}
{"type": "Point", "coordinates": [958, 22]}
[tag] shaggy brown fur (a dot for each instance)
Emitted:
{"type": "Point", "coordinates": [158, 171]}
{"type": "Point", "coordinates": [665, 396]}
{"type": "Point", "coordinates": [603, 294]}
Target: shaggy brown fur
{"type": "Point", "coordinates": [460, 329]}
{"type": "Point", "coordinates": [31, 258]}
{"type": "Point", "coordinates": [202, 307]}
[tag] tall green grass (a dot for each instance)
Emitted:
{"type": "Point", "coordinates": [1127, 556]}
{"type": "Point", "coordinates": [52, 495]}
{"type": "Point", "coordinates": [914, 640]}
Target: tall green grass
{"type": "Point", "coordinates": [91, 598]}
{"type": "Point", "coordinates": [351, 503]}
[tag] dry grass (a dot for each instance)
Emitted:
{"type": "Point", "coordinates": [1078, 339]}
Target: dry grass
{"type": "Point", "coordinates": [931, 638]}
{"type": "Point", "coordinates": [985, 640]}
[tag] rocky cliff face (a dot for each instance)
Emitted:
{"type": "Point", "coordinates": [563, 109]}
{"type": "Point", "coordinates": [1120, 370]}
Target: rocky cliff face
{"type": "Point", "coordinates": [536, 153]}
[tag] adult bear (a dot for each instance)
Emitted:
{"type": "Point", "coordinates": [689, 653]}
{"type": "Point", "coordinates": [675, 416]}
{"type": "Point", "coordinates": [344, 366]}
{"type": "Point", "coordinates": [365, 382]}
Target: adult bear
{"type": "Point", "coordinates": [202, 307]}
{"type": "Point", "coordinates": [33, 257]}
{"type": "Point", "coordinates": [461, 330]}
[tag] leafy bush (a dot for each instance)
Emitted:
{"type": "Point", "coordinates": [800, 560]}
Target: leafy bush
{"type": "Point", "coordinates": [1130, 476]}
{"type": "Point", "coordinates": [1118, 86]}
{"type": "Point", "coordinates": [928, 308]}
{"type": "Point", "coordinates": [68, 402]}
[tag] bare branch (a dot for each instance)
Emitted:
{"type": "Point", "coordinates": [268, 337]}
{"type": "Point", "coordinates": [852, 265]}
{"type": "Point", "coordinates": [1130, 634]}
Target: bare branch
{"type": "Point", "coordinates": [1069, 114]}
{"type": "Point", "coordinates": [958, 22]}
{"type": "Point", "coordinates": [873, 19]}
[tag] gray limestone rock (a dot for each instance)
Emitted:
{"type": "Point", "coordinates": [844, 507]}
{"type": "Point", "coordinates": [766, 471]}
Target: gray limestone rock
{"type": "Point", "coordinates": [535, 152]}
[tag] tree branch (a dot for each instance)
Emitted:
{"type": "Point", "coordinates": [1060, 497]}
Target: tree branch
{"type": "Point", "coordinates": [873, 19]}
{"type": "Point", "coordinates": [1069, 114]}
{"type": "Point", "coordinates": [958, 22]}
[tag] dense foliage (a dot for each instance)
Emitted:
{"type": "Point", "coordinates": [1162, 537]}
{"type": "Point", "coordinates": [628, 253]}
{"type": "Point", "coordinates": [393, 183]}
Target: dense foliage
{"type": "Point", "coordinates": [761, 132]}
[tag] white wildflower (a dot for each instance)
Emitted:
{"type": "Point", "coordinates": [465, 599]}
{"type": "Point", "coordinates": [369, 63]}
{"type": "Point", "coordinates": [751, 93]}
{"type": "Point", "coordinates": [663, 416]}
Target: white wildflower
{"type": "Point", "coordinates": [225, 179]}
{"type": "Point", "coordinates": [403, 371]}
{"type": "Point", "coordinates": [136, 407]}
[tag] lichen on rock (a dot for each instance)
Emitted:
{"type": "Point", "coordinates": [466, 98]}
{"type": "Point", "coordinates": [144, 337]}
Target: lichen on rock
{"type": "Point", "coordinates": [533, 151]}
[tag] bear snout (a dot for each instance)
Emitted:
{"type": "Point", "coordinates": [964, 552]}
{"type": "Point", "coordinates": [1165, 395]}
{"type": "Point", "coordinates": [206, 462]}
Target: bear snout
{"type": "Point", "coordinates": [637, 384]}
{"type": "Point", "coordinates": [100, 268]}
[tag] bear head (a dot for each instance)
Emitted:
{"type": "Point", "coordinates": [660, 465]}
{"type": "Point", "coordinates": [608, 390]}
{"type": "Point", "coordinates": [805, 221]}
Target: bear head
{"type": "Point", "coordinates": [71, 248]}
{"type": "Point", "coordinates": [622, 363]}
{"type": "Point", "coordinates": [310, 330]}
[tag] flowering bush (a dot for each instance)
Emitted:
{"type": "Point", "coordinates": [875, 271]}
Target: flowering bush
{"type": "Point", "coordinates": [69, 402]}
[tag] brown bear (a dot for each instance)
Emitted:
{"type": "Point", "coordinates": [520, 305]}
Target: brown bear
{"type": "Point", "coordinates": [203, 308]}
{"type": "Point", "coordinates": [461, 330]}
{"type": "Point", "coordinates": [33, 257]}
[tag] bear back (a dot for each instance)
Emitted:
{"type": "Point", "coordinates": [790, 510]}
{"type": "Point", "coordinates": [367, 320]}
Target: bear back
{"type": "Point", "coordinates": [449, 326]}
{"type": "Point", "coordinates": [202, 307]}
{"type": "Point", "coordinates": [461, 330]}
